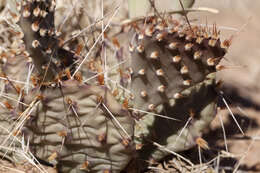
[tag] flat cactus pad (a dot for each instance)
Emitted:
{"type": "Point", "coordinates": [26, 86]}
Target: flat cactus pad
{"type": "Point", "coordinates": [173, 80]}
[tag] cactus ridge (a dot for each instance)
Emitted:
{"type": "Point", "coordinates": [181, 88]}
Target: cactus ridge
{"type": "Point", "coordinates": [86, 127]}
{"type": "Point", "coordinates": [76, 126]}
{"type": "Point", "coordinates": [81, 131]}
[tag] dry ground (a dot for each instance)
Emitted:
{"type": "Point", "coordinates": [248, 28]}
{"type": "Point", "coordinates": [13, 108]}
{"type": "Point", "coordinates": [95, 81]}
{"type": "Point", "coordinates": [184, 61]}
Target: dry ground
{"type": "Point", "coordinates": [241, 78]}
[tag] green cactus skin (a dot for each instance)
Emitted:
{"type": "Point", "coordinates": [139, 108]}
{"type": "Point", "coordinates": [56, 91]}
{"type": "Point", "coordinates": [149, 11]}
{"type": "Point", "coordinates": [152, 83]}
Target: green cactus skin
{"type": "Point", "coordinates": [166, 132]}
{"type": "Point", "coordinates": [166, 61]}
{"type": "Point", "coordinates": [41, 39]}
{"type": "Point", "coordinates": [174, 70]}
{"type": "Point", "coordinates": [77, 127]}
{"type": "Point", "coordinates": [73, 128]}
{"type": "Point", "coordinates": [91, 134]}
{"type": "Point", "coordinates": [71, 122]}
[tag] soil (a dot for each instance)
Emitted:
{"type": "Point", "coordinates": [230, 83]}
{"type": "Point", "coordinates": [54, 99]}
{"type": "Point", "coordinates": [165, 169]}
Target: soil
{"type": "Point", "coordinates": [240, 80]}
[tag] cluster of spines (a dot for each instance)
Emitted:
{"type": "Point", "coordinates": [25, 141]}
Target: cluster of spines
{"type": "Point", "coordinates": [42, 39]}
{"type": "Point", "coordinates": [41, 16]}
{"type": "Point", "coordinates": [158, 32]}
{"type": "Point", "coordinates": [184, 45]}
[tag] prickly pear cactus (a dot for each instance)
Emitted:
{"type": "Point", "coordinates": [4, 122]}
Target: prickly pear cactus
{"type": "Point", "coordinates": [72, 125]}
{"type": "Point", "coordinates": [173, 74]}
{"type": "Point", "coordinates": [80, 125]}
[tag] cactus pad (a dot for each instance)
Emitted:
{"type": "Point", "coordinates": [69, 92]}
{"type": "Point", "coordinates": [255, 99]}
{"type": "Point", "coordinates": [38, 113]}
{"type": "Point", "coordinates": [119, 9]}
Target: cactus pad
{"type": "Point", "coordinates": [169, 58]}
{"type": "Point", "coordinates": [81, 127]}
{"type": "Point", "coordinates": [167, 92]}
{"type": "Point", "coordinates": [173, 74]}
{"type": "Point", "coordinates": [73, 125]}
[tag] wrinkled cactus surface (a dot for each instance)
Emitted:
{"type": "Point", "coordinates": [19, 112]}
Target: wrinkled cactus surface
{"type": "Point", "coordinates": [80, 125]}
{"type": "Point", "coordinates": [76, 126]}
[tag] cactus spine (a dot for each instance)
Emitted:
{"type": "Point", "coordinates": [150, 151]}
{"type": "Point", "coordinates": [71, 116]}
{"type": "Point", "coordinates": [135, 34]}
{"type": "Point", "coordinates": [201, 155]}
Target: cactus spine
{"type": "Point", "coordinates": [87, 126]}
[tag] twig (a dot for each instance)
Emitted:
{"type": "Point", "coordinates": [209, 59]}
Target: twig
{"type": "Point", "coordinates": [200, 9]}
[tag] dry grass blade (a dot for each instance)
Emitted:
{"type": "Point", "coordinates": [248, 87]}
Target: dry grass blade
{"type": "Point", "coordinates": [97, 40]}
